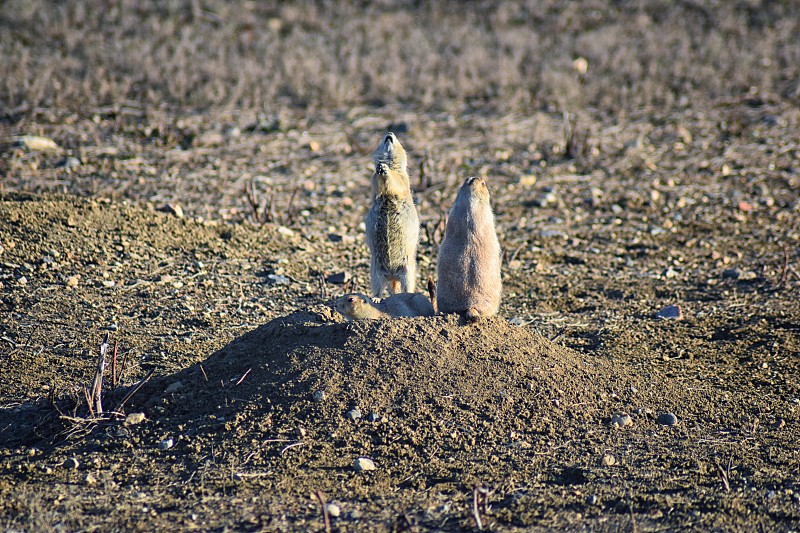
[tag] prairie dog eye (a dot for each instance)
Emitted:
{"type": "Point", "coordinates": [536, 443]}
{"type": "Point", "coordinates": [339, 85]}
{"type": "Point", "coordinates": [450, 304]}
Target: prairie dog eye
{"type": "Point", "coordinates": [351, 299]}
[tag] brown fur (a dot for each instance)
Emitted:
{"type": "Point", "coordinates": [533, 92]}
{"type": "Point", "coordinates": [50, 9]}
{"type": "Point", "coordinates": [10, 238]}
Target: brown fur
{"type": "Point", "coordinates": [468, 268]}
{"type": "Point", "coordinates": [392, 223]}
{"type": "Point", "coordinates": [359, 307]}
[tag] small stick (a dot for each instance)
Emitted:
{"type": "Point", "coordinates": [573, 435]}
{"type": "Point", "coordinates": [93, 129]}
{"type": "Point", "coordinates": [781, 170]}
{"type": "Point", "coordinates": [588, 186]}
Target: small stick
{"type": "Point", "coordinates": [134, 390]}
{"type": "Point", "coordinates": [114, 367]}
{"type": "Point", "coordinates": [323, 287]}
{"type": "Point", "coordinates": [97, 386]}
{"type": "Point", "coordinates": [475, 512]}
{"type": "Point", "coordinates": [287, 447]}
{"type": "Point", "coordinates": [558, 335]}
{"type": "Point", "coordinates": [124, 362]}
{"type": "Point", "coordinates": [243, 376]}
{"type": "Point", "coordinates": [321, 498]}
{"type": "Point", "coordinates": [203, 370]}
{"type": "Point", "coordinates": [88, 401]}
{"type": "Point", "coordinates": [289, 208]}
{"type": "Point", "coordinates": [516, 252]}
{"type": "Point", "coordinates": [785, 271]}
{"type": "Point", "coordinates": [723, 476]}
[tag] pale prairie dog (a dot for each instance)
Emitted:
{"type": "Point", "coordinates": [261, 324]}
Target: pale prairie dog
{"type": "Point", "coordinates": [359, 307]}
{"type": "Point", "coordinates": [468, 267]}
{"type": "Point", "coordinates": [392, 223]}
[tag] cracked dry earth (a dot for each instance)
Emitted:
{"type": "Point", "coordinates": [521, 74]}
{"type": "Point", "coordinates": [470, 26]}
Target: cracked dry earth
{"type": "Point", "coordinates": [508, 421]}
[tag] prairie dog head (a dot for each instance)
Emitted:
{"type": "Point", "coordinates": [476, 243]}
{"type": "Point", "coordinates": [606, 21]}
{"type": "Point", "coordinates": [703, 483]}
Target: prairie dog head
{"type": "Point", "coordinates": [352, 306]}
{"type": "Point", "coordinates": [474, 190]}
{"type": "Point", "coordinates": [391, 153]}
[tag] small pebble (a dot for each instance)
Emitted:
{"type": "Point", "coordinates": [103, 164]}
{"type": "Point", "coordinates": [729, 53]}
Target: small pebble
{"type": "Point", "coordinates": [175, 209]}
{"type": "Point", "coordinates": [71, 463]}
{"type": "Point", "coordinates": [22, 280]}
{"type": "Point", "coordinates": [134, 418]}
{"type": "Point", "coordinates": [362, 464]}
{"type": "Point", "coordinates": [35, 142]}
{"type": "Point", "coordinates": [108, 283]}
{"type": "Point", "coordinates": [72, 281]}
{"type": "Point", "coordinates": [90, 479]}
{"type": "Point", "coordinates": [353, 414]}
{"type": "Point", "coordinates": [166, 444]}
{"type": "Point", "coordinates": [592, 499]}
{"type": "Point", "coordinates": [667, 419]}
{"type": "Point", "coordinates": [286, 232]}
{"type": "Point", "coordinates": [621, 420]}
{"type": "Point", "coordinates": [277, 279]}
{"type": "Point", "coordinates": [333, 510]}
{"type": "Point", "coordinates": [670, 312]}
{"type": "Point", "coordinates": [318, 396]}
{"type": "Point", "coordinates": [373, 417]}
{"type": "Point", "coordinates": [608, 460]}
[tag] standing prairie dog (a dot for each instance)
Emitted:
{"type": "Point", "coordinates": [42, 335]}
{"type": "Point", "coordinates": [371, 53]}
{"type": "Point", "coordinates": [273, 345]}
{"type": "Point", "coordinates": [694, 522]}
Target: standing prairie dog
{"type": "Point", "coordinates": [359, 307]}
{"type": "Point", "coordinates": [468, 268]}
{"type": "Point", "coordinates": [392, 223]}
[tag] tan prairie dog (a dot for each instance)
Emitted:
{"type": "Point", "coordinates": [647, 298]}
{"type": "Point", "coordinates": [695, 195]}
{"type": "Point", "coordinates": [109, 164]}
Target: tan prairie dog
{"type": "Point", "coordinates": [392, 222]}
{"type": "Point", "coordinates": [359, 307]}
{"type": "Point", "coordinates": [468, 268]}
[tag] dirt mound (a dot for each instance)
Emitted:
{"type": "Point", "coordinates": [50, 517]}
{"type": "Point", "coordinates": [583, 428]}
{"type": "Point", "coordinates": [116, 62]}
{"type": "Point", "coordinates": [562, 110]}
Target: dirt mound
{"type": "Point", "coordinates": [409, 369]}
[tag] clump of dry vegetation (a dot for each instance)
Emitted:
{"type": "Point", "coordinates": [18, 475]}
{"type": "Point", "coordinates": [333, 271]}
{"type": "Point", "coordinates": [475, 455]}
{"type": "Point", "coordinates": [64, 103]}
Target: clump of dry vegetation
{"type": "Point", "coordinates": [515, 56]}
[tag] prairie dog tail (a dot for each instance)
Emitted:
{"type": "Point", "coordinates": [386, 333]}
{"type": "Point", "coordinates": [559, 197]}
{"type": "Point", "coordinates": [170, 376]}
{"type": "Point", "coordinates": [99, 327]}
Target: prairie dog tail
{"type": "Point", "coordinates": [432, 294]}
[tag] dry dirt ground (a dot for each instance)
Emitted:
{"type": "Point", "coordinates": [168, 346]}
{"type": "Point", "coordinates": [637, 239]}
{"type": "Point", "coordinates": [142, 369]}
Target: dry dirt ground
{"type": "Point", "coordinates": [208, 243]}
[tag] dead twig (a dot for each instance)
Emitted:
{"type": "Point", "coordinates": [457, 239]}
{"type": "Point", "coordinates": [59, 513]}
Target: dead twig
{"type": "Point", "coordinates": [321, 498]}
{"type": "Point", "coordinates": [784, 277]}
{"type": "Point", "coordinates": [290, 211]}
{"type": "Point", "coordinates": [203, 370]}
{"type": "Point", "coordinates": [134, 390]}
{"type": "Point", "coordinates": [724, 475]}
{"type": "Point", "coordinates": [558, 335]}
{"type": "Point", "coordinates": [243, 376]}
{"type": "Point", "coordinates": [323, 287]}
{"type": "Point", "coordinates": [479, 495]}
{"type": "Point", "coordinates": [96, 396]}
{"type": "Point", "coordinates": [293, 445]}
{"type": "Point", "coordinates": [574, 144]}
{"type": "Point", "coordinates": [114, 367]}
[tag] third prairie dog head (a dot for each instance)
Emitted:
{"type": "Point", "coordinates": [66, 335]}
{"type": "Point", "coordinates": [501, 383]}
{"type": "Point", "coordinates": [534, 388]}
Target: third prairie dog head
{"type": "Point", "coordinates": [353, 306]}
{"type": "Point", "coordinates": [391, 153]}
{"type": "Point", "coordinates": [475, 191]}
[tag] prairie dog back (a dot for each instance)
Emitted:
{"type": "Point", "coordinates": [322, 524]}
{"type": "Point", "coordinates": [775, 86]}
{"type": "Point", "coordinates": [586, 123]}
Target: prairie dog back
{"type": "Point", "coordinates": [360, 307]}
{"type": "Point", "coordinates": [468, 267]}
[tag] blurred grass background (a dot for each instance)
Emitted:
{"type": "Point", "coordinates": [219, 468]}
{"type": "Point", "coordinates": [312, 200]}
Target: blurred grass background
{"type": "Point", "coordinates": [509, 56]}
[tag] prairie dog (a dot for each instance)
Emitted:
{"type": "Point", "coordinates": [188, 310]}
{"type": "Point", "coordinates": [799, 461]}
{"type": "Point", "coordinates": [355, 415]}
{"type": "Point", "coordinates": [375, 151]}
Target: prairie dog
{"type": "Point", "coordinates": [359, 307]}
{"type": "Point", "coordinates": [392, 223]}
{"type": "Point", "coordinates": [468, 267]}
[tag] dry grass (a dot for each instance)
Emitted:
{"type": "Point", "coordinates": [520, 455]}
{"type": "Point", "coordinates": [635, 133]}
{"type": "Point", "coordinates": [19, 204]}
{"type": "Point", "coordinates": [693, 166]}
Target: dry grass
{"type": "Point", "coordinates": [516, 56]}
